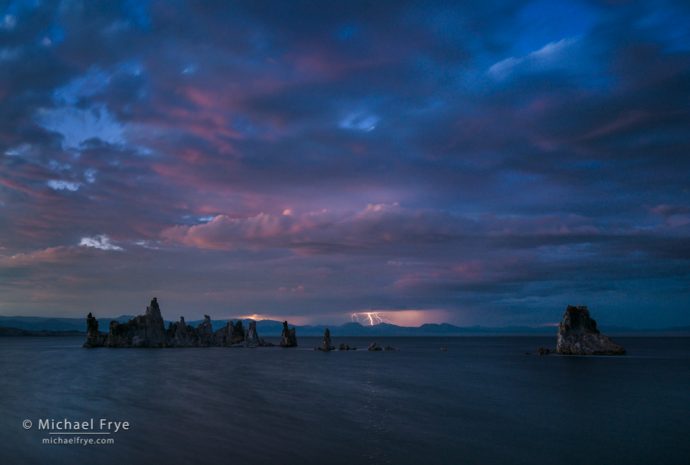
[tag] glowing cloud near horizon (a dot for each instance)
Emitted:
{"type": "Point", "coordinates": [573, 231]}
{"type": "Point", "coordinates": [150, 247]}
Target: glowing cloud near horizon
{"type": "Point", "coordinates": [370, 318]}
{"type": "Point", "coordinates": [292, 319]}
{"type": "Point", "coordinates": [400, 317]}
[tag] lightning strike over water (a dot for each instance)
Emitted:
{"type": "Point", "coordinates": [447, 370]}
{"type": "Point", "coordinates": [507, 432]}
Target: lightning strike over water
{"type": "Point", "coordinates": [370, 318]}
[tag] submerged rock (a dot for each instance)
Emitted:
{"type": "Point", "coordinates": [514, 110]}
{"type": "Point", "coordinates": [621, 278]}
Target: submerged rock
{"type": "Point", "coordinates": [326, 345]}
{"type": "Point", "coordinates": [288, 337]}
{"type": "Point", "coordinates": [578, 335]}
{"type": "Point", "coordinates": [543, 351]}
{"type": "Point", "coordinates": [374, 347]}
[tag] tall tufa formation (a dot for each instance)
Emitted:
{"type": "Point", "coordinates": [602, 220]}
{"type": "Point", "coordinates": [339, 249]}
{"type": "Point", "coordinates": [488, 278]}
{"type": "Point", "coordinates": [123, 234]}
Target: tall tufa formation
{"type": "Point", "coordinates": [326, 344]}
{"type": "Point", "coordinates": [179, 334]}
{"type": "Point", "coordinates": [205, 332]}
{"type": "Point", "coordinates": [578, 335]}
{"type": "Point", "coordinates": [252, 339]}
{"type": "Point", "coordinates": [288, 338]}
{"type": "Point", "coordinates": [236, 333]}
{"type": "Point", "coordinates": [230, 335]}
{"type": "Point", "coordinates": [93, 337]}
{"type": "Point", "coordinates": [145, 330]}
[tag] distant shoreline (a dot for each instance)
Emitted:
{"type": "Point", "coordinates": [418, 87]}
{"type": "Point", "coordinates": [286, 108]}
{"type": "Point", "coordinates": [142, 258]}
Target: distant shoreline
{"type": "Point", "coordinates": [17, 332]}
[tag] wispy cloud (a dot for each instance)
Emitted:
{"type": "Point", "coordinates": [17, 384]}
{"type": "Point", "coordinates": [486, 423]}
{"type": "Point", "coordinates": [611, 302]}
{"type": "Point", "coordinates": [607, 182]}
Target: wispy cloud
{"type": "Point", "coordinates": [61, 185]}
{"type": "Point", "coordinates": [101, 242]}
{"type": "Point", "coordinates": [76, 125]}
{"type": "Point", "coordinates": [550, 55]}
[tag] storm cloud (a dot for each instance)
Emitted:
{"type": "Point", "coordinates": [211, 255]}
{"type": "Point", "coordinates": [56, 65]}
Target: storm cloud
{"type": "Point", "coordinates": [489, 162]}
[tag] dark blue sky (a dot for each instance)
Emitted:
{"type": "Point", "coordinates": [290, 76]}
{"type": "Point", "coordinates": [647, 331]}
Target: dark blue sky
{"type": "Point", "coordinates": [472, 162]}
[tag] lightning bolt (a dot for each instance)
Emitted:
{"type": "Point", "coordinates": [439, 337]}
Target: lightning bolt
{"type": "Point", "coordinates": [370, 318]}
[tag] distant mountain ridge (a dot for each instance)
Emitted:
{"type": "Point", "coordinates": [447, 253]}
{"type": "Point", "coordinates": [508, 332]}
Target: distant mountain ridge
{"type": "Point", "coordinates": [272, 328]}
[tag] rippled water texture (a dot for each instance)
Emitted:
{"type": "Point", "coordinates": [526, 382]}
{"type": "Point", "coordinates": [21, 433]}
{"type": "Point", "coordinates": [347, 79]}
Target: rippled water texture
{"type": "Point", "coordinates": [483, 401]}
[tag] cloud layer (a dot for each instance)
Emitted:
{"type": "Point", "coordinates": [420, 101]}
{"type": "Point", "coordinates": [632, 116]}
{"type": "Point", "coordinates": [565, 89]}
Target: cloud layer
{"type": "Point", "coordinates": [486, 161]}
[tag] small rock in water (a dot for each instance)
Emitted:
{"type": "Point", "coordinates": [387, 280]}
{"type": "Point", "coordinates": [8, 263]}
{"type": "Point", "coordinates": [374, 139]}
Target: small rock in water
{"type": "Point", "coordinates": [374, 347]}
{"type": "Point", "coordinates": [543, 351]}
{"type": "Point", "coordinates": [326, 345]}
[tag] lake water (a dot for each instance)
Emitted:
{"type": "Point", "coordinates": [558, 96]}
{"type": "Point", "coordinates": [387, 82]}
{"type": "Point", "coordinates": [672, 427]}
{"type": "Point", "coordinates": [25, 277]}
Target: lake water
{"type": "Point", "coordinates": [483, 401]}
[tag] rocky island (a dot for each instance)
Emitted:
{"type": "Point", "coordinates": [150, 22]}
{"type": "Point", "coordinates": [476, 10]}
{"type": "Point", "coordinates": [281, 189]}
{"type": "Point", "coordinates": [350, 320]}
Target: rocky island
{"type": "Point", "coordinates": [148, 330]}
{"type": "Point", "coordinates": [578, 335]}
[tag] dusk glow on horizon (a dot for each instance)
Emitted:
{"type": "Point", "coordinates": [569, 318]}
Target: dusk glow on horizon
{"type": "Point", "coordinates": [401, 317]}
{"type": "Point", "coordinates": [407, 162]}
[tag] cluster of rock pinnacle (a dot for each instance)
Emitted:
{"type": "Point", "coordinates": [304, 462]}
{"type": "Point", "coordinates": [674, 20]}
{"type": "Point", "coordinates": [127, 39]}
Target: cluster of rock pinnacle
{"type": "Point", "coordinates": [148, 330]}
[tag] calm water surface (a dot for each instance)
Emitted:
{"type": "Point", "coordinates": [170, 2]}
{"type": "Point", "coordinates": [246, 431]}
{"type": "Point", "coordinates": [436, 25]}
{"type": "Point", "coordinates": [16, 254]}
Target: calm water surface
{"type": "Point", "coordinates": [482, 402]}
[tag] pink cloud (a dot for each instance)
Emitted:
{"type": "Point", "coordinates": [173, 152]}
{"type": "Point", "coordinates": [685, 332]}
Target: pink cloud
{"type": "Point", "coordinates": [47, 255]}
{"type": "Point", "coordinates": [224, 232]}
{"type": "Point", "coordinates": [374, 227]}
{"type": "Point", "coordinates": [365, 227]}
{"type": "Point", "coordinates": [623, 122]}
{"type": "Point", "coordinates": [673, 215]}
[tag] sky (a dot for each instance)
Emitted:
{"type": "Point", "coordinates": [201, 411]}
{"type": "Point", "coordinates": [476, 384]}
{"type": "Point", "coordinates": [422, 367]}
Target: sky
{"type": "Point", "coordinates": [477, 163]}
